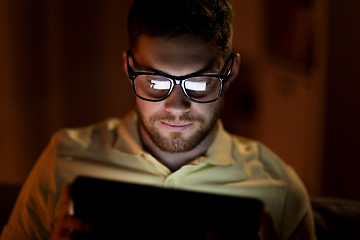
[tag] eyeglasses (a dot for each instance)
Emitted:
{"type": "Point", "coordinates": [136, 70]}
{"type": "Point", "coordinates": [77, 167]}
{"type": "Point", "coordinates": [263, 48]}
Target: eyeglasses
{"type": "Point", "coordinates": [155, 87]}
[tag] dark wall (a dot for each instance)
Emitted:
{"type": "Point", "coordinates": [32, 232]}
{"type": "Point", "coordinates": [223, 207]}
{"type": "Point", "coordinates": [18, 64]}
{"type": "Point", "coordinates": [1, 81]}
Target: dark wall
{"type": "Point", "coordinates": [342, 133]}
{"type": "Point", "coordinates": [60, 66]}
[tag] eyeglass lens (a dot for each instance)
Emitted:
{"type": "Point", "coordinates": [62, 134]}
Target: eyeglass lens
{"type": "Point", "coordinates": [200, 88]}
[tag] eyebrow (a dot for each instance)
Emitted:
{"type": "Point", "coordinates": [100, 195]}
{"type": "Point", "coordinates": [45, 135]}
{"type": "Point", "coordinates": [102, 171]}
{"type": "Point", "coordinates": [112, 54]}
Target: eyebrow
{"type": "Point", "coordinates": [147, 69]}
{"type": "Point", "coordinates": [205, 70]}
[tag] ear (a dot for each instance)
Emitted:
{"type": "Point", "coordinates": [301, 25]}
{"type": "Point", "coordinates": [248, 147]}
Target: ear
{"type": "Point", "coordinates": [124, 56]}
{"type": "Point", "coordinates": [235, 70]}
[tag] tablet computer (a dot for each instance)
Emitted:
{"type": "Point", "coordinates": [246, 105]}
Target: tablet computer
{"type": "Point", "coordinates": [120, 210]}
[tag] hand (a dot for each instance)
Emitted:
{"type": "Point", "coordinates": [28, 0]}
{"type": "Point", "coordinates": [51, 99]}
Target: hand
{"type": "Point", "coordinates": [66, 224]}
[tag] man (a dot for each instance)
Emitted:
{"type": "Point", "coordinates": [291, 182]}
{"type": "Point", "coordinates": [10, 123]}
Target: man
{"type": "Point", "coordinates": [179, 64]}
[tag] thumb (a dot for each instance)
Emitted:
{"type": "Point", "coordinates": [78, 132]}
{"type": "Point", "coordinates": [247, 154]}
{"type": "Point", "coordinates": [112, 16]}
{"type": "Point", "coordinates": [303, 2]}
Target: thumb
{"type": "Point", "coordinates": [67, 203]}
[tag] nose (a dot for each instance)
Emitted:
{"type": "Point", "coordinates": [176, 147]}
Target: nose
{"type": "Point", "coordinates": [177, 103]}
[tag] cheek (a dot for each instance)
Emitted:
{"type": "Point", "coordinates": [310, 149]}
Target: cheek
{"type": "Point", "coordinates": [213, 110]}
{"type": "Point", "coordinates": [205, 110]}
{"type": "Point", "coordinates": [146, 109]}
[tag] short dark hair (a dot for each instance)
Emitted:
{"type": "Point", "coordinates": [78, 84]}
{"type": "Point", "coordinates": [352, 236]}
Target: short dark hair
{"type": "Point", "coordinates": [209, 20]}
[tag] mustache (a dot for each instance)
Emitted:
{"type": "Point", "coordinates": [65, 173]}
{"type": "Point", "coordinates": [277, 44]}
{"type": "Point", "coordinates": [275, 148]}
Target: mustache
{"type": "Point", "coordinates": [182, 118]}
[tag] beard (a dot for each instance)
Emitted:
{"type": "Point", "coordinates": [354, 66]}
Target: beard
{"type": "Point", "coordinates": [176, 142]}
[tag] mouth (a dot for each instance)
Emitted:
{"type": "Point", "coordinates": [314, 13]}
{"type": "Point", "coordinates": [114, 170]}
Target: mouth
{"type": "Point", "coordinates": [176, 127]}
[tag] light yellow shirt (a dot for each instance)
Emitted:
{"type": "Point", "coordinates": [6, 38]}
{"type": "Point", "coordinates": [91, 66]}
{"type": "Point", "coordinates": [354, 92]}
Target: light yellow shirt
{"type": "Point", "coordinates": [112, 150]}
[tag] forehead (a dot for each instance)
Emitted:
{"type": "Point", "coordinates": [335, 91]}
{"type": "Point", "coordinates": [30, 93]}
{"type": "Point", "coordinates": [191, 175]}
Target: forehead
{"type": "Point", "coordinates": [177, 56]}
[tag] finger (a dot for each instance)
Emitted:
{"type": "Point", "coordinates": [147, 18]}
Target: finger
{"type": "Point", "coordinates": [67, 204]}
{"type": "Point", "coordinates": [75, 224]}
{"type": "Point", "coordinates": [65, 234]}
{"type": "Point", "coordinates": [65, 227]}
{"type": "Point", "coordinates": [60, 232]}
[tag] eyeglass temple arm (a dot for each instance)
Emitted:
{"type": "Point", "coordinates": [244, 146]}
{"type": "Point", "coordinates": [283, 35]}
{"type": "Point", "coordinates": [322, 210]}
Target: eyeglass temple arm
{"type": "Point", "coordinates": [232, 56]}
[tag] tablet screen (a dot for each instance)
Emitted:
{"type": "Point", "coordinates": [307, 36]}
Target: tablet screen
{"type": "Point", "coordinates": [121, 210]}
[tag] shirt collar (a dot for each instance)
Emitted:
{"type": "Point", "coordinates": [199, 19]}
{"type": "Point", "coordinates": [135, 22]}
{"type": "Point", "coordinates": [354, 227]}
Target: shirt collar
{"type": "Point", "coordinates": [219, 152]}
{"type": "Point", "coordinates": [128, 139]}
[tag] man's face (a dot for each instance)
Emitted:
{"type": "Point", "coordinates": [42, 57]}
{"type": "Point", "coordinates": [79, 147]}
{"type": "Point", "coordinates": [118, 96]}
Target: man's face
{"type": "Point", "coordinates": [176, 124]}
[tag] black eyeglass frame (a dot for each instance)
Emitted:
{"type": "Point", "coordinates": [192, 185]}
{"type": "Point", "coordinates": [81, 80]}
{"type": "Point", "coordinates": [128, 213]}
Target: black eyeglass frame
{"type": "Point", "coordinates": [179, 80]}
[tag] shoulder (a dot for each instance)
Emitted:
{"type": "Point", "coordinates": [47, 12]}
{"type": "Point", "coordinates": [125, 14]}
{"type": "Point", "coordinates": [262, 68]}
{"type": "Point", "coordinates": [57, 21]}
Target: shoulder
{"type": "Point", "coordinates": [270, 162]}
{"type": "Point", "coordinates": [250, 151]}
{"type": "Point", "coordinates": [38, 203]}
{"type": "Point", "coordinates": [102, 133]}
{"type": "Point", "coordinates": [296, 211]}
{"type": "Point", "coordinates": [100, 137]}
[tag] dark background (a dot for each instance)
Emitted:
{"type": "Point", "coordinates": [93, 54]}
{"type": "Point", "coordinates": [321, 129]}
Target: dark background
{"type": "Point", "coordinates": [61, 66]}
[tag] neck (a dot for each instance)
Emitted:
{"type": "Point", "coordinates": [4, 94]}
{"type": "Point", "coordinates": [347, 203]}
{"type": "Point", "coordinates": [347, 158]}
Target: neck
{"type": "Point", "coordinates": [174, 161]}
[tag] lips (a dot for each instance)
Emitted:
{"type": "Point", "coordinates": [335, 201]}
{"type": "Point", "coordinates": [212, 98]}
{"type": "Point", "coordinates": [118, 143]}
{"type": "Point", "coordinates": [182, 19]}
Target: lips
{"type": "Point", "coordinates": [176, 127]}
